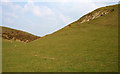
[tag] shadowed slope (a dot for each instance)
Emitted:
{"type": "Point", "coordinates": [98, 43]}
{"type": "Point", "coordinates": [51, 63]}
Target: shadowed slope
{"type": "Point", "coordinates": [12, 34]}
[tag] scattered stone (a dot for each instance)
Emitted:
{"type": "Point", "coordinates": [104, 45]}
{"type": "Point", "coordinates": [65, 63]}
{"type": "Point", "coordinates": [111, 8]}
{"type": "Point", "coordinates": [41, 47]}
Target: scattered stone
{"type": "Point", "coordinates": [36, 55]}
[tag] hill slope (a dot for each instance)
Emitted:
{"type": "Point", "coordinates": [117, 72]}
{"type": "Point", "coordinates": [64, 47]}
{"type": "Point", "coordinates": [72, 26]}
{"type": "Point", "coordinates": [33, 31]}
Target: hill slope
{"type": "Point", "coordinates": [91, 46]}
{"type": "Point", "coordinates": [12, 34]}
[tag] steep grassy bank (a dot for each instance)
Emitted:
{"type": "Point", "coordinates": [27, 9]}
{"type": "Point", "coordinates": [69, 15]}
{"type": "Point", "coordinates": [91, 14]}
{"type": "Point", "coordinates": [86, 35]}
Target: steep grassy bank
{"type": "Point", "coordinates": [81, 47]}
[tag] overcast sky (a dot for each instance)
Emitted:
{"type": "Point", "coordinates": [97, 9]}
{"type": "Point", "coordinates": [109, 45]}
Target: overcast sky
{"type": "Point", "coordinates": [44, 17]}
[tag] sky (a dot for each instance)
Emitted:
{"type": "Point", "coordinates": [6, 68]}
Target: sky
{"type": "Point", "coordinates": [42, 17]}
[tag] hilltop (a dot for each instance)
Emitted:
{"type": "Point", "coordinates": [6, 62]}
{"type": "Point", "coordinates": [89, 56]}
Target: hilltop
{"type": "Point", "coordinates": [96, 13]}
{"type": "Point", "coordinates": [89, 46]}
{"type": "Point", "coordinates": [101, 16]}
{"type": "Point", "coordinates": [17, 35]}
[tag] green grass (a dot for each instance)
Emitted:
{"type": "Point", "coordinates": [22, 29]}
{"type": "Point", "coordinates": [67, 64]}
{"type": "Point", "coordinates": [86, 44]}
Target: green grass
{"type": "Point", "coordinates": [87, 47]}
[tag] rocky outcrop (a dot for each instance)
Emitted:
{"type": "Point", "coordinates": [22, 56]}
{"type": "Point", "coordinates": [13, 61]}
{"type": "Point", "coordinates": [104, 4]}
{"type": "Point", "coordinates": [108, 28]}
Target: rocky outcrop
{"type": "Point", "coordinates": [95, 14]}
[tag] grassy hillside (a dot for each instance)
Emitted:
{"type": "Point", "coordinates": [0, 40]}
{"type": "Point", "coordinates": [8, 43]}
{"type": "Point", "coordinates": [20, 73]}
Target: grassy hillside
{"type": "Point", "coordinates": [80, 47]}
{"type": "Point", "coordinates": [17, 35]}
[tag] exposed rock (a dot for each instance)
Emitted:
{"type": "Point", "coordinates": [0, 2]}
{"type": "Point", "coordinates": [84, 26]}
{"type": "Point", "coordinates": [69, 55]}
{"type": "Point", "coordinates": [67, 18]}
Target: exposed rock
{"type": "Point", "coordinates": [95, 14]}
